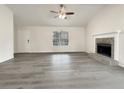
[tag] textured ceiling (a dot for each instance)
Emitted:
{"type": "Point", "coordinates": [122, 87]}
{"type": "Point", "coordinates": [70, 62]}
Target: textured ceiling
{"type": "Point", "coordinates": [39, 15]}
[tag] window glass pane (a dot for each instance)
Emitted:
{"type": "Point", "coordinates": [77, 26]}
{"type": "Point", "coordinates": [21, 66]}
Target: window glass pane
{"type": "Point", "coordinates": [64, 38]}
{"type": "Point", "coordinates": [55, 38]}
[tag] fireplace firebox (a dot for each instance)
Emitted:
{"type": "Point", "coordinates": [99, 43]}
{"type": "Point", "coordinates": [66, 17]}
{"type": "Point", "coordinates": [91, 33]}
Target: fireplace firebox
{"type": "Point", "coordinates": [105, 46]}
{"type": "Point", "coordinates": [104, 49]}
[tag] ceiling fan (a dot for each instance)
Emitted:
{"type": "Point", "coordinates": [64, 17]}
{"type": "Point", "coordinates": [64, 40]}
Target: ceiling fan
{"type": "Point", "coordinates": [62, 13]}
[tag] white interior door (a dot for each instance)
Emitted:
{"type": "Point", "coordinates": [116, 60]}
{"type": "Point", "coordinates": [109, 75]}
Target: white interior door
{"type": "Point", "coordinates": [23, 41]}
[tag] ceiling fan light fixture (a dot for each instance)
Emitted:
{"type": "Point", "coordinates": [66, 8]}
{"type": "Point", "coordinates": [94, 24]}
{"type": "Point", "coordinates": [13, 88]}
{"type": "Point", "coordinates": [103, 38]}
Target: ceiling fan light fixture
{"type": "Point", "coordinates": [62, 16]}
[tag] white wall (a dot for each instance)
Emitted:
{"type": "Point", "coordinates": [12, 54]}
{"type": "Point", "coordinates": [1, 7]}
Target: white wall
{"type": "Point", "coordinates": [6, 33]}
{"type": "Point", "coordinates": [109, 19]}
{"type": "Point", "coordinates": [41, 39]}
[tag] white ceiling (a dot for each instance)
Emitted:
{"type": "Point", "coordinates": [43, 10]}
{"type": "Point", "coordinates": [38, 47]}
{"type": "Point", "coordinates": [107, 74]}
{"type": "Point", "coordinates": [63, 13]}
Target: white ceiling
{"type": "Point", "coordinates": [39, 15]}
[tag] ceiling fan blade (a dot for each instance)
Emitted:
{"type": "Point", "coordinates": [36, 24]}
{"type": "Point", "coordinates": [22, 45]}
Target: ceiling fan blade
{"type": "Point", "coordinates": [69, 13]}
{"type": "Point", "coordinates": [53, 11]}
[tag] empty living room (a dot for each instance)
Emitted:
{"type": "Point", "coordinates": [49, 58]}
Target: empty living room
{"type": "Point", "coordinates": [61, 46]}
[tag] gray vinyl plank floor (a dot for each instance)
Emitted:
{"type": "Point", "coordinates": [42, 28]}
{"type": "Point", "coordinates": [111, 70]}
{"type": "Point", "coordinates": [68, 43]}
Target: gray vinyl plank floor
{"type": "Point", "coordinates": [59, 71]}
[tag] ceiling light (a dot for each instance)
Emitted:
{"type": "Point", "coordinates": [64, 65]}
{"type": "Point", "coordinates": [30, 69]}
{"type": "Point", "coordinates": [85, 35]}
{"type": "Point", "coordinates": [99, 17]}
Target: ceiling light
{"type": "Point", "coordinates": [62, 16]}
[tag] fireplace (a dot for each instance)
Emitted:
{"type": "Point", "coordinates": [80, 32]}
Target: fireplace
{"type": "Point", "coordinates": [105, 46]}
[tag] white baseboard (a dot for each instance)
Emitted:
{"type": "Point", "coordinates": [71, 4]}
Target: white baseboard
{"type": "Point", "coordinates": [6, 59]}
{"type": "Point", "coordinates": [121, 64]}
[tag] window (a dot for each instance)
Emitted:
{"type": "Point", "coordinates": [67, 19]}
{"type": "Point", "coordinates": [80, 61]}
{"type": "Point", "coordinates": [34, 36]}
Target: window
{"type": "Point", "coordinates": [60, 38]}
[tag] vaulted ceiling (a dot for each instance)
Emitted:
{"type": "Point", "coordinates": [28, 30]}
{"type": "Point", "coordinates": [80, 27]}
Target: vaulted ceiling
{"type": "Point", "coordinates": [39, 15]}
